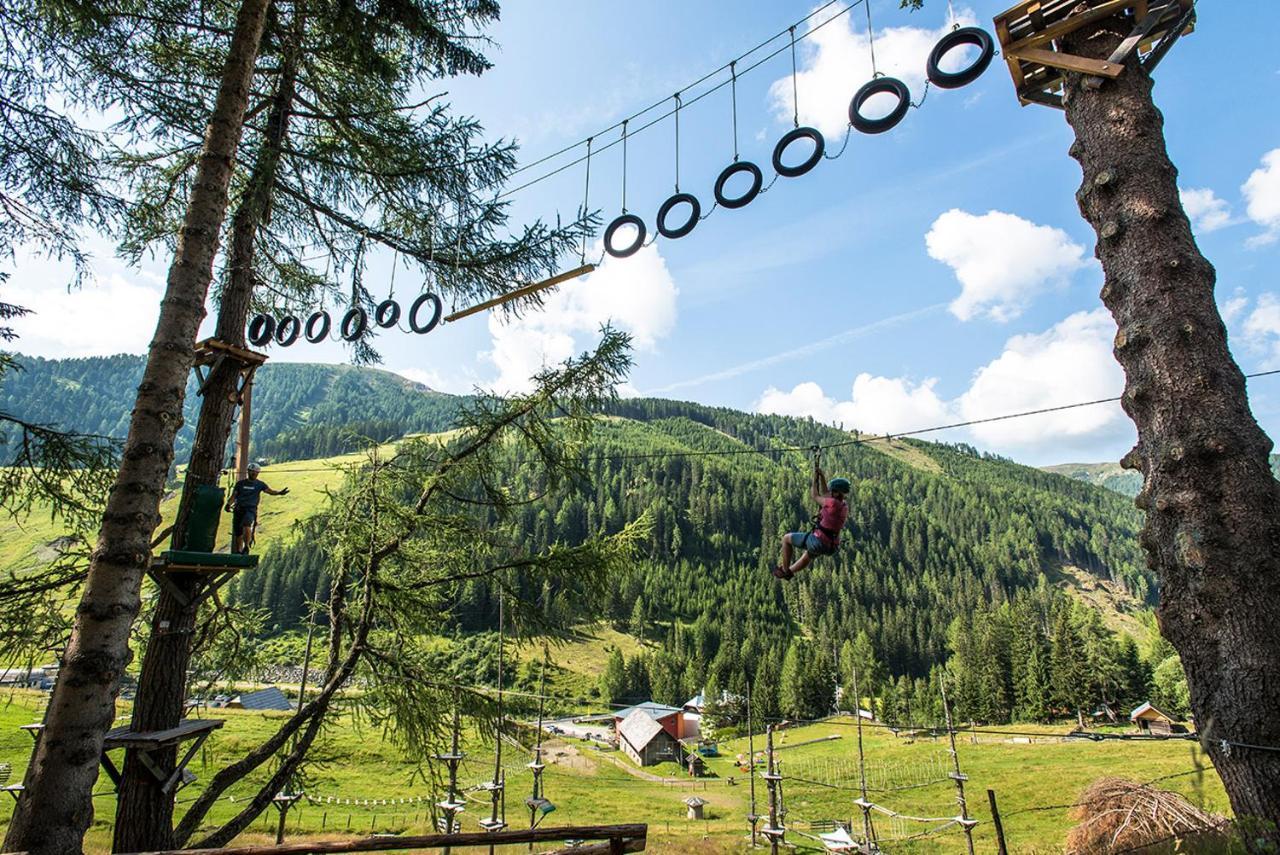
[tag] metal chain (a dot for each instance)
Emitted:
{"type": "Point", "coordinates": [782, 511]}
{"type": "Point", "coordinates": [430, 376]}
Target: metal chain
{"type": "Point", "coordinates": [733, 83]}
{"type": "Point", "coordinates": [586, 195]}
{"type": "Point", "coordinates": [624, 165]}
{"type": "Point", "coordinates": [871, 41]}
{"type": "Point", "coordinates": [677, 97]}
{"type": "Point", "coordinates": [795, 87]}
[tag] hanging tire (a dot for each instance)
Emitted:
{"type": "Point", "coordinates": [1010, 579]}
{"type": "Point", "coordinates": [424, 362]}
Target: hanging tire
{"type": "Point", "coordinates": [630, 249]}
{"type": "Point", "coordinates": [436, 312]}
{"type": "Point", "coordinates": [354, 323]}
{"type": "Point", "coordinates": [819, 146]}
{"type": "Point", "coordinates": [316, 334]}
{"type": "Point", "coordinates": [892, 86]}
{"type": "Point", "coordinates": [288, 330]}
{"type": "Point", "coordinates": [387, 314]}
{"type": "Point", "coordinates": [757, 181]}
{"type": "Point", "coordinates": [695, 211]}
{"type": "Point", "coordinates": [262, 329]}
{"type": "Point", "coordinates": [975, 36]}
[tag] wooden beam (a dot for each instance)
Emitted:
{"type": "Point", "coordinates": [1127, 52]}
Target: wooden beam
{"type": "Point", "coordinates": [521, 292]}
{"type": "Point", "coordinates": [1069, 62]}
{"type": "Point", "coordinates": [635, 832]}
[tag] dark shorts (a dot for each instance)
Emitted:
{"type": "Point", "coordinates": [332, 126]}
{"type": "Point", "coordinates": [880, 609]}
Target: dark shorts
{"type": "Point", "coordinates": [243, 518]}
{"type": "Point", "coordinates": [809, 542]}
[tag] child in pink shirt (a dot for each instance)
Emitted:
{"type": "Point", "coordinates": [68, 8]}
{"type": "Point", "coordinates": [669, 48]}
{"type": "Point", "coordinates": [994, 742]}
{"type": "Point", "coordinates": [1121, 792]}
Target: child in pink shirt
{"type": "Point", "coordinates": [825, 537]}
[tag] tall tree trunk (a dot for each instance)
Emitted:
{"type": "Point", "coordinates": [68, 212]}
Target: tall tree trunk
{"type": "Point", "coordinates": [144, 812]}
{"type": "Point", "coordinates": [56, 807]}
{"type": "Point", "coordinates": [1212, 530]}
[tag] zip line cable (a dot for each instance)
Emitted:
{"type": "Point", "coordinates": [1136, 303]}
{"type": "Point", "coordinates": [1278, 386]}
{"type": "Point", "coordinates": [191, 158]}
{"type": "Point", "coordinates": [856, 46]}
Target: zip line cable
{"type": "Point", "coordinates": [703, 79]}
{"type": "Point", "coordinates": [859, 441]}
{"type": "Point", "coordinates": [690, 102]}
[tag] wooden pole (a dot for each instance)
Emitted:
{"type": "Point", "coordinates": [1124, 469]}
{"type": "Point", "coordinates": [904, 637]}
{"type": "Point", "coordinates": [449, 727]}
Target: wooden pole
{"type": "Point", "coordinates": [868, 831]}
{"type": "Point", "coordinates": [957, 776]}
{"type": "Point", "coordinates": [751, 767]}
{"type": "Point", "coordinates": [522, 291]}
{"type": "Point", "coordinates": [242, 440]}
{"type": "Point", "coordinates": [634, 836]}
{"type": "Point", "coordinates": [1001, 848]}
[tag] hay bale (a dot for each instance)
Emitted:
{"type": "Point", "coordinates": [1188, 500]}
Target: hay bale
{"type": "Point", "coordinates": [1119, 815]}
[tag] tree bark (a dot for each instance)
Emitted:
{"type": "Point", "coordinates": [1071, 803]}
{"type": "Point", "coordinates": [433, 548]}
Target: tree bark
{"type": "Point", "coordinates": [1212, 529]}
{"type": "Point", "coordinates": [144, 812]}
{"type": "Point", "coordinates": [56, 806]}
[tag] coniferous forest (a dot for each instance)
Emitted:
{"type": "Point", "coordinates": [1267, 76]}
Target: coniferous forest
{"type": "Point", "coordinates": [949, 556]}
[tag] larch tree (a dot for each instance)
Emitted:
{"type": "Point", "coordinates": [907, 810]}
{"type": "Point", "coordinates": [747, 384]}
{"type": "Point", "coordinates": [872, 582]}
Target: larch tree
{"type": "Point", "coordinates": [56, 805]}
{"type": "Point", "coordinates": [341, 153]}
{"type": "Point", "coordinates": [1212, 505]}
{"type": "Point", "coordinates": [403, 535]}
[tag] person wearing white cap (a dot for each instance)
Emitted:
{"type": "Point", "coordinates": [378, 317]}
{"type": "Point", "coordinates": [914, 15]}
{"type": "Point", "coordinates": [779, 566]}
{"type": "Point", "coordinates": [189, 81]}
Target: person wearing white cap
{"type": "Point", "coordinates": [244, 498]}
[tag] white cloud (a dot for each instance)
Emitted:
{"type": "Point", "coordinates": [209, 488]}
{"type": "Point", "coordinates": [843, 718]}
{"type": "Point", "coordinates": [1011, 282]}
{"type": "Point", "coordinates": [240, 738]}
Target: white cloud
{"type": "Point", "coordinates": [1207, 212]}
{"type": "Point", "coordinates": [1233, 306]}
{"type": "Point", "coordinates": [1001, 260]}
{"type": "Point", "coordinates": [1070, 362]}
{"type": "Point", "coordinates": [1262, 330]}
{"type": "Point", "coordinates": [1066, 364]}
{"type": "Point", "coordinates": [876, 404]}
{"type": "Point", "coordinates": [836, 61]}
{"type": "Point", "coordinates": [636, 294]}
{"type": "Point", "coordinates": [1262, 197]}
{"type": "Point", "coordinates": [115, 313]}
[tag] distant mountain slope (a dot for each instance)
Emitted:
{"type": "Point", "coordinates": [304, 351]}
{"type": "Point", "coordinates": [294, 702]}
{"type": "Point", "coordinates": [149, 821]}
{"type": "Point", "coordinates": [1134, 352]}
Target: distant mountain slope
{"type": "Point", "coordinates": [299, 410]}
{"type": "Point", "coordinates": [935, 531]}
{"type": "Point", "coordinates": [1113, 477]}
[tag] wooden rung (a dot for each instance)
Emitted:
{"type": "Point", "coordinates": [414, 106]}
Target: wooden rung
{"type": "Point", "coordinates": [522, 291]}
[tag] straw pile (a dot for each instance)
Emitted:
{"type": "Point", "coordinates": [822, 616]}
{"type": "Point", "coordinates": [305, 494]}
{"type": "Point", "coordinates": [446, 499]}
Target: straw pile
{"type": "Point", "coordinates": [1119, 815]}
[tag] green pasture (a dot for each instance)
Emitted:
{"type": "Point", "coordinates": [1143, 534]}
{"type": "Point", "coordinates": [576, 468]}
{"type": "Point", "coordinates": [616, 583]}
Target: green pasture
{"type": "Point", "coordinates": [358, 781]}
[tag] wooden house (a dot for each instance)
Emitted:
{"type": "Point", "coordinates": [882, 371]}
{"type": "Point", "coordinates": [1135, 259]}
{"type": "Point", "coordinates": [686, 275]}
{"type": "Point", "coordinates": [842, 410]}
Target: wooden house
{"type": "Point", "coordinates": [644, 739]}
{"type": "Point", "coordinates": [1153, 720]}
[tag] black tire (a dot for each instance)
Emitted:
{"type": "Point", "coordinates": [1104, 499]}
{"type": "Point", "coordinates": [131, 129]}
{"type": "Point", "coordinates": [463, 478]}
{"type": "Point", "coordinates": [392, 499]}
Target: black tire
{"type": "Point", "coordinates": [437, 311]}
{"type": "Point", "coordinates": [314, 335]}
{"type": "Point", "coordinates": [757, 181]}
{"type": "Point", "coordinates": [819, 146]}
{"type": "Point", "coordinates": [262, 329]}
{"type": "Point", "coordinates": [354, 323]}
{"type": "Point", "coordinates": [387, 314]}
{"type": "Point", "coordinates": [288, 330]}
{"type": "Point", "coordinates": [619, 222]}
{"type": "Point", "coordinates": [975, 36]}
{"type": "Point", "coordinates": [695, 211]}
{"type": "Point", "coordinates": [891, 85]}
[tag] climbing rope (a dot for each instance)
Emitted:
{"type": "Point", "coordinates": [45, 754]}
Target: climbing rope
{"type": "Point", "coordinates": [795, 85]}
{"type": "Point", "coordinates": [586, 194]}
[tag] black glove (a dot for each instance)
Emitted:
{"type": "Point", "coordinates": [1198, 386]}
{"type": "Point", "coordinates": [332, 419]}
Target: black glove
{"type": "Point", "coordinates": [285, 491]}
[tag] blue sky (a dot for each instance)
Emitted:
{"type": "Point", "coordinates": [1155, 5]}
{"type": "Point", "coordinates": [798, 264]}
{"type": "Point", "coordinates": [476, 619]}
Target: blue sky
{"type": "Point", "coordinates": [934, 273]}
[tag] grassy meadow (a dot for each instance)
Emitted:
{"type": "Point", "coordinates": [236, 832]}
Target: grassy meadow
{"type": "Point", "coordinates": [355, 766]}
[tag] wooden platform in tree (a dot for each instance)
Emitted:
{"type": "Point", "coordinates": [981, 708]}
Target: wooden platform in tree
{"type": "Point", "coordinates": [211, 353]}
{"type": "Point", "coordinates": [184, 561]}
{"type": "Point", "coordinates": [195, 730]}
{"type": "Point", "coordinates": [1031, 31]}
{"type": "Point", "coordinates": [189, 728]}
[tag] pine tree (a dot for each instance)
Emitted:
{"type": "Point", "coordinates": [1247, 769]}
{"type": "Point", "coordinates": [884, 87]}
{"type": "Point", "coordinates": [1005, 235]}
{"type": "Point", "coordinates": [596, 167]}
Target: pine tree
{"type": "Point", "coordinates": [613, 682]}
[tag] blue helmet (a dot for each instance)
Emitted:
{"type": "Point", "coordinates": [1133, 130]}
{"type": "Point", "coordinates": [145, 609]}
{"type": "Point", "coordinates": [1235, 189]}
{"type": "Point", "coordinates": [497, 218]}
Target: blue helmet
{"type": "Point", "coordinates": [838, 485]}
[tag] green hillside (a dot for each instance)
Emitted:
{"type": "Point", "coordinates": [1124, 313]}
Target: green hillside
{"type": "Point", "coordinates": [950, 555]}
{"type": "Point", "coordinates": [299, 410]}
{"type": "Point", "coordinates": [1114, 477]}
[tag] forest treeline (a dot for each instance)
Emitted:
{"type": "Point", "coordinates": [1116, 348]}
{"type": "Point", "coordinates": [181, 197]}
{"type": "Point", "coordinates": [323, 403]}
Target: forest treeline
{"type": "Point", "coordinates": [300, 410]}
{"type": "Point", "coordinates": [940, 559]}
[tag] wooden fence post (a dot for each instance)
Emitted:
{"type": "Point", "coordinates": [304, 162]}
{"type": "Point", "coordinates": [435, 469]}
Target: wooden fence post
{"type": "Point", "coordinates": [1001, 848]}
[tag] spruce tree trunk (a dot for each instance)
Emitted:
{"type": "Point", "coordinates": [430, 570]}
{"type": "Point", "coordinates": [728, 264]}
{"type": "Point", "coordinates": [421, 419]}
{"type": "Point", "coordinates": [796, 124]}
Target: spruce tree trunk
{"type": "Point", "coordinates": [1212, 530]}
{"type": "Point", "coordinates": [57, 807]}
{"type": "Point", "coordinates": [144, 813]}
